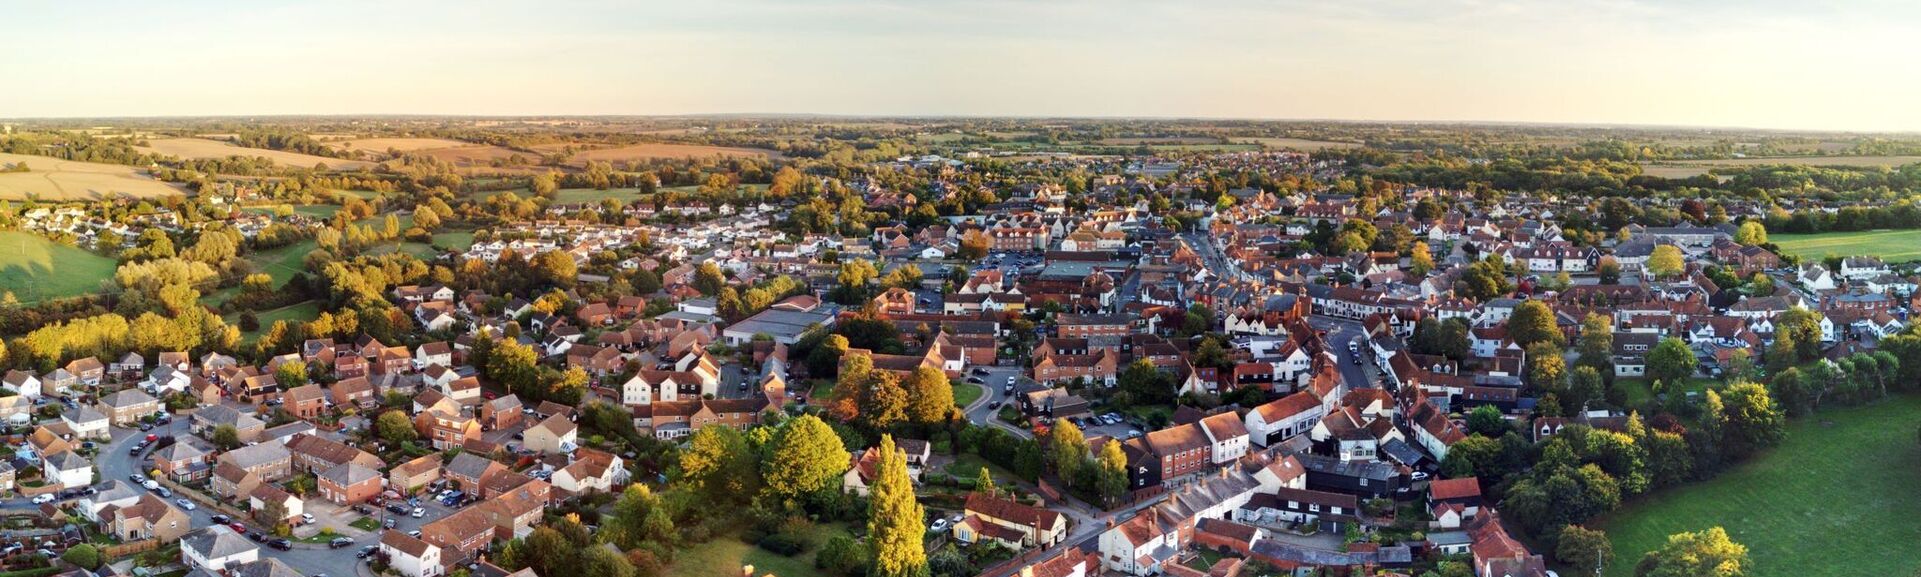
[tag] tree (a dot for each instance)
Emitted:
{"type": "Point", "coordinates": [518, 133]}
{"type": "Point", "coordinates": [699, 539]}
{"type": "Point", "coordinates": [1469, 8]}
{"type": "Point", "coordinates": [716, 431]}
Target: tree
{"type": "Point", "coordinates": [1420, 261]}
{"type": "Point", "coordinates": [1587, 550]}
{"type": "Point", "coordinates": [1805, 325]}
{"type": "Point", "coordinates": [984, 483]}
{"type": "Point", "coordinates": [1701, 554]}
{"type": "Point", "coordinates": [1666, 261]}
{"type": "Point", "coordinates": [1751, 233]}
{"type": "Point", "coordinates": [1487, 420]}
{"type": "Point", "coordinates": [603, 562]}
{"type": "Point", "coordinates": [84, 555]}
{"type": "Point", "coordinates": [1596, 343]}
{"type": "Point", "coordinates": [1112, 482]}
{"type": "Point", "coordinates": [395, 427]}
{"type": "Point", "coordinates": [291, 374]}
{"type": "Point", "coordinates": [1750, 420]}
{"type": "Point", "coordinates": [719, 462]}
{"type": "Point", "coordinates": [1584, 386]}
{"type": "Point", "coordinates": [708, 279]}
{"type": "Point", "coordinates": [556, 267]}
{"type": "Point", "coordinates": [807, 457]}
{"type": "Point", "coordinates": [1485, 279]}
{"type": "Point", "coordinates": [1609, 270]}
{"type": "Point", "coordinates": [841, 555]}
{"type": "Point", "coordinates": [1782, 355]}
{"type": "Point", "coordinates": [930, 396]}
{"type": "Point", "coordinates": [226, 437]}
{"type": "Point", "coordinates": [1066, 448]}
{"type": "Point", "coordinates": [882, 400]}
{"type": "Point", "coordinates": [640, 517]}
{"type": "Point", "coordinates": [1670, 362]}
{"type": "Point", "coordinates": [515, 365]}
{"type": "Point", "coordinates": [1546, 368]}
{"type": "Point", "coordinates": [1533, 322]}
{"type": "Point", "coordinates": [895, 520]}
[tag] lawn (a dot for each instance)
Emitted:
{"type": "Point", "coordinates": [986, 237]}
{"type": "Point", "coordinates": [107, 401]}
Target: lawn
{"type": "Point", "coordinates": [302, 312]}
{"type": "Point", "coordinates": [967, 393]}
{"type": "Point", "coordinates": [28, 268]}
{"type": "Point", "coordinates": [1637, 392]}
{"type": "Point", "coordinates": [282, 263]}
{"type": "Point", "coordinates": [724, 556]}
{"type": "Point", "coordinates": [588, 195]}
{"type": "Point", "coordinates": [821, 391]}
{"type": "Point", "coordinates": [1837, 498]}
{"type": "Point", "coordinates": [320, 211]}
{"type": "Point", "coordinates": [1889, 245]}
{"type": "Point", "coordinates": [365, 524]}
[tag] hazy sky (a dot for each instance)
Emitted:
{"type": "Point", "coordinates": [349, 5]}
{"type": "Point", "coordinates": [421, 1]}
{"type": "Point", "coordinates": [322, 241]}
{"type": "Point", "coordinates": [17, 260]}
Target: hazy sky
{"type": "Point", "coordinates": [1759, 63]}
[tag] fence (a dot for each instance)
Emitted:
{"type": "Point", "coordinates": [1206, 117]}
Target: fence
{"type": "Point", "coordinates": [125, 549]}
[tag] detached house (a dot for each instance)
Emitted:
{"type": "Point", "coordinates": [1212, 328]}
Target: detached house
{"type": "Point", "coordinates": [1013, 524]}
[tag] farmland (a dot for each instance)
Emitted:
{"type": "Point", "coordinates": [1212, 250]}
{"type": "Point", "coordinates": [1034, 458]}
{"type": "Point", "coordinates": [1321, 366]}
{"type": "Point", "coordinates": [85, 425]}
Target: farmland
{"type": "Point", "coordinates": [651, 151]}
{"type": "Point", "coordinates": [382, 145]}
{"type": "Point", "coordinates": [27, 268]}
{"type": "Point", "coordinates": [1805, 492]}
{"type": "Point", "coordinates": [55, 179]}
{"type": "Point", "coordinates": [1888, 245]}
{"type": "Point", "coordinates": [199, 148]}
{"type": "Point", "coordinates": [1687, 168]}
{"type": "Point", "coordinates": [1297, 143]}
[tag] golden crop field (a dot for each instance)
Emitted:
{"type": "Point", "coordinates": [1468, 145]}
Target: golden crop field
{"type": "Point", "coordinates": [56, 179]}
{"type": "Point", "coordinates": [195, 148]}
{"type": "Point", "coordinates": [1132, 141]}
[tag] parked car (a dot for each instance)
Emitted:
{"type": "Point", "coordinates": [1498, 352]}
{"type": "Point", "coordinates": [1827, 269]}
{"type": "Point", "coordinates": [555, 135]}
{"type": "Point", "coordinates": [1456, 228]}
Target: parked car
{"type": "Point", "coordinates": [389, 524]}
{"type": "Point", "coordinates": [281, 544]}
{"type": "Point", "coordinates": [46, 498]}
{"type": "Point", "coordinates": [257, 536]}
{"type": "Point", "coordinates": [397, 508]}
{"type": "Point", "coordinates": [977, 380]}
{"type": "Point", "coordinates": [238, 527]}
{"type": "Point", "coordinates": [164, 492]}
{"type": "Point", "coordinates": [939, 526]}
{"type": "Point", "coordinates": [150, 485]}
{"type": "Point", "coordinates": [340, 543]}
{"type": "Point", "coordinates": [306, 518]}
{"type": "Point", "coordinates": [419, 512]}
{"type": "Point", "coordinates": [367, 551]}
{"type": "Point", "coordinates": [221, 519]}
{"type": "Point", "coordinates": [137, 478]}
{"type": "Point", "coordinates": [184, 503]}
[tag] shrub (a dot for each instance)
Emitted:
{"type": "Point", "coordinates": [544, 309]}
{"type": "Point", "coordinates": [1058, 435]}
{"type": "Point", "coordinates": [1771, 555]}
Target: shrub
{"type": "Point", "coordinates": [781, 544]}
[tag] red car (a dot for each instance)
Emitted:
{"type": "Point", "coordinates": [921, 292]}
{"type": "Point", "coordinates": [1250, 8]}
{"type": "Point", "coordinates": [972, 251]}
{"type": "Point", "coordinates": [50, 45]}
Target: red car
{"type": "Point", "coordinates": [238, 527]}
{"type": "Point", "coordinates": [152, 437]}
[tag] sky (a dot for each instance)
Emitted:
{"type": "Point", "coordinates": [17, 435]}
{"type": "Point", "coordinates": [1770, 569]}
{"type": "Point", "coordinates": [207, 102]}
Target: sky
{"type": "Point", "coordinates": [1848, 65]}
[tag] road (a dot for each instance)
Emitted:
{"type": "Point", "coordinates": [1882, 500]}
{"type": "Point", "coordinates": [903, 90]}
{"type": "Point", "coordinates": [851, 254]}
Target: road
{"type": "Point", "coordinates": [981, 412]}
{"type": "Point", "coordinates": [309, 559]}
{"type": "Point", "coordinates": [1340, 332]}
{"type": "Point", "coordinates": [1216, 262]}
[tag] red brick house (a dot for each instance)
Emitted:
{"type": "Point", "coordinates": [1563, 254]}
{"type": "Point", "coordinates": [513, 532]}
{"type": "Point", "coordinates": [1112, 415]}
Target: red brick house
{"type": "Point", "coordinates": [349, 483]}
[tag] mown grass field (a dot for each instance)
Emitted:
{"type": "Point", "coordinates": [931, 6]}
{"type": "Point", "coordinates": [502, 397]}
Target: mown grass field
{"type": "Point", "coordinates": [1888, 245]}
{"type": "Point", "coordinates": [1836, 499]}
{"type": "Point", "coordinates": [302, 312]}
{"type": "Point", "coordinates": [35, 269]}
{"type": "Point", "coordinates": [724, 556]}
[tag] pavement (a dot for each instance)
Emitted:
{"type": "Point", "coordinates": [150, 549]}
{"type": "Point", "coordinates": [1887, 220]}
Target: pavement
{"type": "Point", "coordinates": [309, 559]}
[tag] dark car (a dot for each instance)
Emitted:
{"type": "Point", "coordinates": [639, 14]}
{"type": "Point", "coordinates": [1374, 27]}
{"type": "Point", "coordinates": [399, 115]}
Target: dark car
{"type": "Point", "coordinates": [222, 519]}
{"type": "Point", "coordinates": [398, 508]}
{"type": "Point", "coordinates": [362, 509]}
{"type": "Point", "coordinates": [367, 551]}
{"type": "Point", "coordinates": [340, 543]}
{"type": "Point", "coordinates": [281, 544]}
{"type": "Point", "coordinates": [146, 426]}
{"type": "Point", "coordinates": [256, 536]}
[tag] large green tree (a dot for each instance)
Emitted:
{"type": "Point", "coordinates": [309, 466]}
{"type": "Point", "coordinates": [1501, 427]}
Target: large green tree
{"type": "Point", "coordinates": [1587, 550]}
{"type": "Point", "coordinates": [719, 463]}
{"type": "Point", "coordinates": [895, 521]}
{"type": "Point", "coordinates": [1067, 449]}
{"type": "Point", "coordinates": [1708, 553]}
{"type": "Point", "coordinates": [1750, 419]}
{"type": "Point", "coordinates": [1533, 322]}
{"type": "Point", "coordinates": [807, 457]}
{"type": "Point", "coordinates": [1666, 262]}
{"type": "Point", "coordinates": [930, 396]}
{"type": "Point", "coordinates": [1671, 362]}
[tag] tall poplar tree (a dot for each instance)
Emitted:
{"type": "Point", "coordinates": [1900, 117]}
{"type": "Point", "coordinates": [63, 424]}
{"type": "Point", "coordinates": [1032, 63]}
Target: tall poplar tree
{"type": "Point", "coordinates": [894, 521]}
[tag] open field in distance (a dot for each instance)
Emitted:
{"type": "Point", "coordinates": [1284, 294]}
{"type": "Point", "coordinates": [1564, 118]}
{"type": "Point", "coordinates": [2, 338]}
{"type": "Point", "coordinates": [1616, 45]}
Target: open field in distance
{"type": "Point", "coordinates": [1298, 143]}
{"type": "Point", "coordinates": [55, 179]}
{"type": "Point", "coordinates": [649, 151]}
{"type": "Point", "coordinates": [1806, 509]}
{"type": "Point", "coordinates": [1888, 245]}
{"type": "Point", "coordinates": [382, 145]}
{"type": "Point", "coordinates": [198, 148]}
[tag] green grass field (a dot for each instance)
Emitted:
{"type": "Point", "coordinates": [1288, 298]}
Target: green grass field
{"type": "Point", "coordinates": [1836, 499]}
{"type": "Point", "coordinates": [321, 211]}
{"type": "Point", "coordinates": [35, 269]}
{"type": "Point", "coordinates": [1888, 245]}
{"type": "Point", "coordinates": [587, 195]}
{"type": "Point", "coordinates": [724, 556]}
{"type": "Point", "coordinates": [302, 312]}
{"type": "Point", "coordinates": [967, 393]}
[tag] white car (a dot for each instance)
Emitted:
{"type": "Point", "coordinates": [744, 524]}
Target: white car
{"type": "Point", "coordinates": [306, 518]}
{"type": "Point", "coordinates": [150, 485]}
{"type": "Point", "coordinates": [939, 526]}
{"type": "Point", "coordinates": [419, 512]}
{"type": "Point", "coordinates": [185, 504]}
{"type": "Point", "coordinates": [41, 499]}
